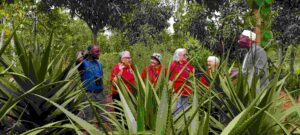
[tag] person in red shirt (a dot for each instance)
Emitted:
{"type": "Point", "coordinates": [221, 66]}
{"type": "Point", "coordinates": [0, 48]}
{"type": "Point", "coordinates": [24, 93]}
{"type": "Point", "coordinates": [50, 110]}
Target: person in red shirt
{"type": "Point", "coordinates": [122, 70]}
{"type": "Point", "coordinates": [153, 69]}
{"type": "Point", "coordinates": [181, 85]}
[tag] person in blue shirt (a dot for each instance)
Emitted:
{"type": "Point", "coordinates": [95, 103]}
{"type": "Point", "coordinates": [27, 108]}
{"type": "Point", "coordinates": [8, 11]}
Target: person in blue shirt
{"type": "Point", "coordinates": [91, 75]}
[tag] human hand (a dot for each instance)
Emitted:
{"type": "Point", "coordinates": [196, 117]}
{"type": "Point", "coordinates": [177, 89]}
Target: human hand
{"type": "Point", "coordinates": [79, 55]}
{"type": "Point", "coordinates": [121, 66]}
{"type": "Point", "coordinates": [109, 98]}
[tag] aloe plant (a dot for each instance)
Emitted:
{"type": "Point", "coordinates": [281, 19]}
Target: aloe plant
{"type": "Point", "coordinates": [252, 113]}
{"type": "Point", "coordinates": [150, 111]}
{"type": "Point", "coordinates": [39, 91]}
{"type": "Point", "coordinates": [246, 112]}
{"type": "Point", "coordinates": [43, 97]}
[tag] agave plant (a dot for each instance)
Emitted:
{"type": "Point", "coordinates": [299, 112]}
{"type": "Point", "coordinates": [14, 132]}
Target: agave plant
{"type": "Point", "coordinates": [150, 109]}
{"type": "Point", "coordinates": [240, 109]}
{"type": "Point", "coordinates": [248, 112]}
{"type": "Point", "coordinates": [40, 92]}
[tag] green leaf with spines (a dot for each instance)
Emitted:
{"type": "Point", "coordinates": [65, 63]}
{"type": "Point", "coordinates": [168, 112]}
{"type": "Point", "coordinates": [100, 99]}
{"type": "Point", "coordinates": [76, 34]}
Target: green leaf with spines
{"type": "Point", "coordinates": [82, 123]}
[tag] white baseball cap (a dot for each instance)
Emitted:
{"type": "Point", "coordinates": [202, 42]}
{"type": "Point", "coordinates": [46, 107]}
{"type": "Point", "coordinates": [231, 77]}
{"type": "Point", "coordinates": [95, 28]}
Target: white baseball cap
{"type": "Point", "coordinates": [156, 56]}
{"type": "Point", "coordinates": [249, 34]}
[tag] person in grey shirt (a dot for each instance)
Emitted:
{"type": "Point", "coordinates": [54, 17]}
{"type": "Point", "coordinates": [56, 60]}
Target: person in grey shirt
{"type": "Point", "coordinates": [255, 61]}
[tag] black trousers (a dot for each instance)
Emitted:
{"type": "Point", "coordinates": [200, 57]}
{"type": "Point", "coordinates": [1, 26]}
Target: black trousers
{"type": "Point", "coordinates": [116, 97]}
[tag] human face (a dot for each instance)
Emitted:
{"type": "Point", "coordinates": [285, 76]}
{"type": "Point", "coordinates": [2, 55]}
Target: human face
{"type": "Point", "coordinates": [183, 56]}
{"type": "Point", "coordinates": [95, 52]}
{"type": "Point", "coordinates": [211, 65]}
{"type": "Point", "coordinates": [154, 62]}
{"type": "Point", "coordinates": [127, 61]}
{"type": "Point", "coordinates": [245, 41]}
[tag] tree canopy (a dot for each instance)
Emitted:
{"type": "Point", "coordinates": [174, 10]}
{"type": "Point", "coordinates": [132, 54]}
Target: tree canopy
{"type": "Point", "coordinates": [96, 13]}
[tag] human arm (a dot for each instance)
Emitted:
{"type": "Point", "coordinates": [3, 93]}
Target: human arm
{"type": "Point", "coordinates": [203, 81]}
{"type": "Point", "coordinates": [79, 60]}
{"type": "Point", "coordinates": [261, 61]}
{"type": "Point", "coordinates": [144, 73]}
{"type": "Point", "coordinates": [171, 71]}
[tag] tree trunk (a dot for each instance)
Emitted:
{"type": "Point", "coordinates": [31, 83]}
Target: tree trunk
{"type": "Point", "coordinates": [257, 27]}
{"type": "Point", "coordinates": [2, 33]}
{"type": "Point", "coordinates": [94, 38]}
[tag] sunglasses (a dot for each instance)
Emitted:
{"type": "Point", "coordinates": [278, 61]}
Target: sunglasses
{"type": "Point", "coordinates": [127, 57]}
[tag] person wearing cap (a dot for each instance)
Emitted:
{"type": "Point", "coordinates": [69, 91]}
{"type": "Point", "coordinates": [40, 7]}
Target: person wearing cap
{"type": "Point", "coordinates": [181, 66]}
{"type": "Point", "coordinates": [122, 70]}
{"type": "Point", "coordinates": [91, 75]}
{"type": "Point", "coordinates": [255, 61]}
{"type": "Point", "coordinates": [153, 69]}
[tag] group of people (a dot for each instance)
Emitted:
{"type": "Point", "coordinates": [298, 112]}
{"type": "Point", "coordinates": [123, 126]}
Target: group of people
{"type": "Point", "coordinates": [180, 70]}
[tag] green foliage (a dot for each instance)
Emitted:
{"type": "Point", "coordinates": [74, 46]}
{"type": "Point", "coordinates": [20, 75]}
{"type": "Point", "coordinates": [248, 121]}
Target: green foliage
{"type": "Point", "coordinates": [216, 30]}
{"type": "Point", "coordinates": [41, 93]}
{"type": "Point", "coordinates": [248, 113]}
{"type": "Point", "coordinates": [66, 31]}
{"type": "Point", "coordinates": [259, 2]}
{"type": "Point", "coordinates": [96, 14]}
{"type": "Point", "coordinates": [186, 19]}
{"type": "Point", "coordinates": [108, 60]}
{"type": "Point", "coordinates": [146, 22]}
{"type": "Point", "coordinates": [197, 52]}
{"type": "Point", "coordinates": [38, 74]}
{"type": "Point", "coordinates": [266, 16]}
{"type": "Point", "coordinates": [293, 83]}
{"type": "Point", "coordinates": [115, 43]}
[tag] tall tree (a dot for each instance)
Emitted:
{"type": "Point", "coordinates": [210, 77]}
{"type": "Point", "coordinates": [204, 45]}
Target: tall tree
{"type": "Point", "coordinates": [218, 27]}
{"type": "Point", "coordinates": [96, 13]}
{"type": "Point", "coordinates": [146, 22]}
